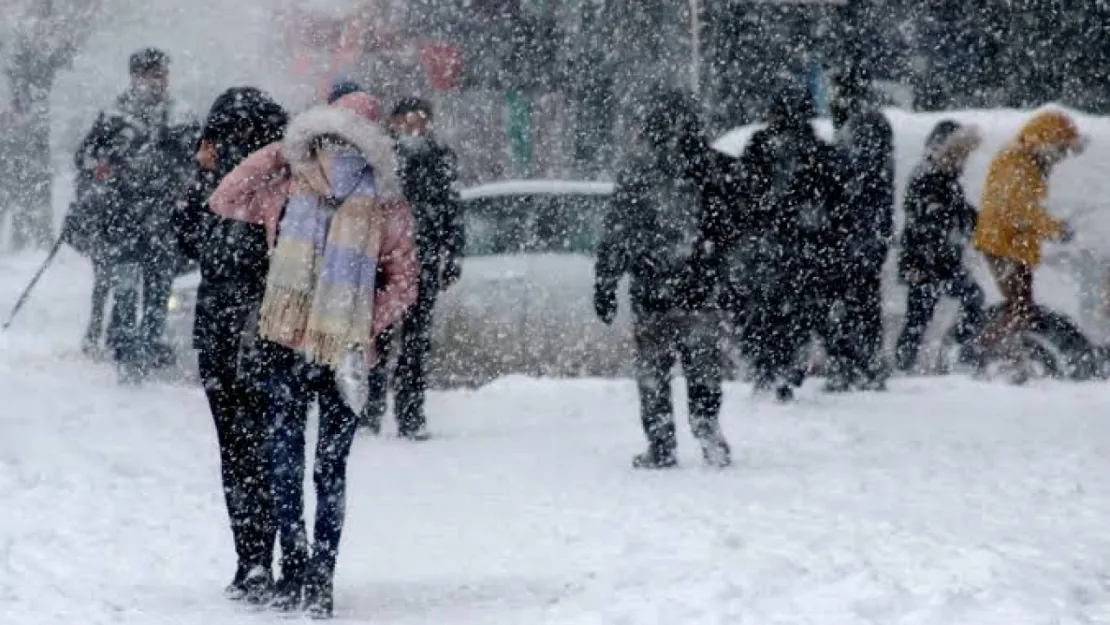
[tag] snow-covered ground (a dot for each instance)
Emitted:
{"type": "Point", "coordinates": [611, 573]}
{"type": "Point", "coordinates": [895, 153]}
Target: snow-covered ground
{"type": "Point", "coordinates": [944, 502]}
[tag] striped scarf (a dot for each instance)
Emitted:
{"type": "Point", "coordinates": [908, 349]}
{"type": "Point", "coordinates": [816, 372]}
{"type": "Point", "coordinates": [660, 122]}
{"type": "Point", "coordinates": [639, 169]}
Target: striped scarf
{"type": "Point", "coordinates": [319, 296]}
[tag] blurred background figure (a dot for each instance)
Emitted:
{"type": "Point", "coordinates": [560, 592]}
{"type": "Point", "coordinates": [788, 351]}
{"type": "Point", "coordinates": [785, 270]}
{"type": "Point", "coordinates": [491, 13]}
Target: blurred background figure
{"type": "Point", "coordinates": [428, 171]}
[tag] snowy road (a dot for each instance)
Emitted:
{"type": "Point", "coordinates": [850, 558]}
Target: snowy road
{"type": "Point", "coordinates": [942, 502]}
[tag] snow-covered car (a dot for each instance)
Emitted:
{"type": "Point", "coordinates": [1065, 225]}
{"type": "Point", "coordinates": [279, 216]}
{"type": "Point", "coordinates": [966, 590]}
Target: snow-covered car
{"type": "Point", "coordinates": [524, 303]}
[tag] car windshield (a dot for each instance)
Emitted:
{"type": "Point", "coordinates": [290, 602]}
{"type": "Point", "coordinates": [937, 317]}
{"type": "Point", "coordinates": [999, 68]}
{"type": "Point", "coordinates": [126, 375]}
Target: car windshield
{"type": "Point", "coordinates": [534, 224]}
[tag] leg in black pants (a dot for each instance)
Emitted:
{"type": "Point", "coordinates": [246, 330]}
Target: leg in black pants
{"type": "Point", "coordinates": [102, 288]}
{"type": "Point", "coordinates": [377, 383]}
{"type": "Point", "coordinates": [157, 285]}
{"type": "Point", "coordinates": [306, 568]}
{"type": "Point", "coordinates": [655, 337]}
{"type": "Point", "coordinates": [700, 351]}
{"type": "Point", "coordinates": [416, 340]}
{"type": "Point", "coordinates": [241, 431]}
{"type": "Point", "coordinates": [921, 303]}
{"type": "Point", "coordinates": [410, 382]}
{"type": "Point", "coordinates": [855, 337]}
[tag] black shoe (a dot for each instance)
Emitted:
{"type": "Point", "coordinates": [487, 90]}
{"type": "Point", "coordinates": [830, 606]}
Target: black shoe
{"type": "Point", "coordinates": [258, 585]}
{"type": "Point", "coordinates": [237, 590]}
{"type": "Point", "coordinates": [784, 393]}
{"type": "Point", "coordinates": [288, 592]}
{"type": "Point", "coordinates": [318, 597]}
{"type": "Point", "coordinates": [371, 417]}
{"type": "Point", "coordinates": [655, 457]}
{"type": "Point", "coordinates": [715, 450]}
{"type": "Point", "coordinates": [417, 436]}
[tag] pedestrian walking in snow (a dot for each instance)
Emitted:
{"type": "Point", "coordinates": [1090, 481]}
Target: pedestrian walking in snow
{"type": "Point", "coordinates": [1014, 223]}
{"type": "Point", "coordinates": [866, 141]}
{"type": "Point", "coordinates": [342, 268]}
{"type": "Point", "coordinates": [138, 154]}
{"type": "Point", "coordinates": [233, 260]}
{"type": "Point", "coordinates": [668, 228]}
{"type": "Point", "coordinates": [939, 223]}
{"type": "Point", "coordinates": [428, 171]}
{"type": "Point", "coordinates": [796, 208]}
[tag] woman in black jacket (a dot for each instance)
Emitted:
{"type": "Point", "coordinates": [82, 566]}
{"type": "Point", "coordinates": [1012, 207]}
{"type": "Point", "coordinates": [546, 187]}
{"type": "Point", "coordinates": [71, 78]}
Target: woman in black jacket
{"type": "Point", "coordinates": [233, 263]}
{"type": "Point", "coordinates": [939, 222]}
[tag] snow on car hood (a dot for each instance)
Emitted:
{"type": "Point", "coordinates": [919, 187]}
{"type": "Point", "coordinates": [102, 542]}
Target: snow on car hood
{"type": "Point", "coordinates": [534, 187]}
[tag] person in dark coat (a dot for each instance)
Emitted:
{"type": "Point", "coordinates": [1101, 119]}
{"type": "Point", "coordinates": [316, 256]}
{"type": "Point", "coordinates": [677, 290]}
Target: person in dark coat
{"type": "Point", "coordinates": [668, 228]}
{"type": "Point", "coordinates": [137, 154]}
{"type": "Point", "coordinates": [428, 170]}
{"type": "Point", "coordinates": [939, 223]}
{"type": "Point", "coordinates": [866, 141]}
{"type": "Point", "coordinates": [797, 207]}
{"type": "Point", "coordinates": [233, 259]}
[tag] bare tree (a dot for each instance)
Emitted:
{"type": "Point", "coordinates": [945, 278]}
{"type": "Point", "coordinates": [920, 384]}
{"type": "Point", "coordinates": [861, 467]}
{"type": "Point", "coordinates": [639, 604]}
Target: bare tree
{"type": "Point", "coordinates": [40, 39]}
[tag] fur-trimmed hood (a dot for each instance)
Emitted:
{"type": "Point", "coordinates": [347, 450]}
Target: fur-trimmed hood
{"type": "Point", "coordinates": [374, 144]}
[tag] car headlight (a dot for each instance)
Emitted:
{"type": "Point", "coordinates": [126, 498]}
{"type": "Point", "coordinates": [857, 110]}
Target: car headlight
{"type": "Point", "coordinates": [173, 304]}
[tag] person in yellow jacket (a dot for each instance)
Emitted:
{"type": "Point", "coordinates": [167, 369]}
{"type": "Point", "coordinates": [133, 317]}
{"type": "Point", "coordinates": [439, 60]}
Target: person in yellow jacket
{"type": "Point", "coordinates": [1013, 221]}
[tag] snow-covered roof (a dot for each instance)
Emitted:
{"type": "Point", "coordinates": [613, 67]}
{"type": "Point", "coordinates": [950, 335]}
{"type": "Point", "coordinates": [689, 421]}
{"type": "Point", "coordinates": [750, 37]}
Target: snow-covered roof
{"type": "Point", "coordinates": [537, 187]}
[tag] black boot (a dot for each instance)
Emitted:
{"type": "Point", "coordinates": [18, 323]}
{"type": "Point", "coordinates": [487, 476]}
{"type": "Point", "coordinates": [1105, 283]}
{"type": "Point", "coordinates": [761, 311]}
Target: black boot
{"type": "Point", "coordinates": [319, 602]}
{"type": "Point", "coordinates": [289, 590]}
{"type": "Point", "coordinates": [258, 585]}
{"type": "Point", "coordinates": [656, 457]}
{"type": "Point", "coordinates": [714, 448]}
{"type": "Point", "coordinates": [237, 590]}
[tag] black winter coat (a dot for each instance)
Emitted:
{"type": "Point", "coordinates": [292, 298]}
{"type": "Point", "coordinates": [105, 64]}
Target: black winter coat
{"type": "Point", "coordinates": [798, 211]}
{"type": "Point", "coordinates": [233, 258]}
{"type": "Point", "coordinates": [866, 143]}
{"type": "Point", "coordinates": [233, 255]}
{"type": "Point", "coordinates": [669, 227]}
{"type": "Point", "coordinates": [148, 160]}
{"type": "Point", "coordinates": [939, 223]}
{"type": "Point", "coordinates": [427, 179]}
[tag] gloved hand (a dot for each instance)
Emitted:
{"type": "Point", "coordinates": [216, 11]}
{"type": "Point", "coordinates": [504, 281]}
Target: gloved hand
{"type": "Point", "coordinates": [1067, 232]}
{"type": "Point", "coordinates": [452, 271]}
{"type": "Point", "coordinates": [605, 303]}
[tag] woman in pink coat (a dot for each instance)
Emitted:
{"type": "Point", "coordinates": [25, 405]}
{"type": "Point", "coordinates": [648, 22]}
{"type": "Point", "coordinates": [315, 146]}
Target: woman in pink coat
{"type": "Point", "coordinates": [342, 268]}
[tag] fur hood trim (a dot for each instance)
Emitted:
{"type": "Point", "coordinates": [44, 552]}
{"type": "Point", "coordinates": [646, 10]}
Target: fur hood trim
{"type": "Point", "coordinates": [374, 144]}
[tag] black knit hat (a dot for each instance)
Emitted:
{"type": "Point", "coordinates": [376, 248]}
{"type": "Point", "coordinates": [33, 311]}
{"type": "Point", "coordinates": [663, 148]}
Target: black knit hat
{"type": "Point", "coordinates": [792, 105]}
{"type": "Point", "coordinates": [147, 60]}
{"type": "Point", "coordinates": [941, 133]}
{"type": "Point", "coordinates": [412, 105]}
{"type": "Point", "coordinates": [243, 120]}
{"type": "Point", "coordinates": [342, 88]}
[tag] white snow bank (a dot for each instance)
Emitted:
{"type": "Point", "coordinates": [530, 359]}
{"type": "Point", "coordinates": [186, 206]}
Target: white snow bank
{"type": "Point", "coordinates": [942, 502]}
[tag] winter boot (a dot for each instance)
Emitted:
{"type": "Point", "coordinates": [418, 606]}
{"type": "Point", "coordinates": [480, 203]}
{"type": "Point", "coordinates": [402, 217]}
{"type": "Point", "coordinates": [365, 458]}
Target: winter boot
{"type": "Point", "coordinates": [370, 419]}
{"type": "Point", "coordinates": [656, 457]}
{"type": "Point", "coordinates": [784, 393]}
{"type": "Point", "coordinates": [237, 590]}
{"type": "Point", "coordinates": [417, 436]}
{"type": "Point", "coordinates": [318, 596]}
{"type": "Point", "coordinates": [289, 590]}
{"type": "Point", "coordinates": [714, 448]}
{"type": "Point", "coordinates": [258, 585]}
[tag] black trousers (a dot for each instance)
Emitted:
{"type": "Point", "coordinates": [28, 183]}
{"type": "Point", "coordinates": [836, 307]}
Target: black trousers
{"type": "Point", "coordinates": [660, 339]}
{"type": "Point", "coordinates": [238, 402]}
{"type": "Point", "coordinates": [138, 321]}
{"type": "Point", "coordinates": [101, 291]}
{"type": "Point", "coordinates": [921, 303]}
{"type": "Point", "coordinates": [780, 333]}
{"type": "Point", "coordinates": [410, 378]}
{"type": "Point", "coordinates": [854, 338]}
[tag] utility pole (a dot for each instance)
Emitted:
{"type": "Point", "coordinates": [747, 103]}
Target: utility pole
{"type": "Point", "coordinates": [695, 45]}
